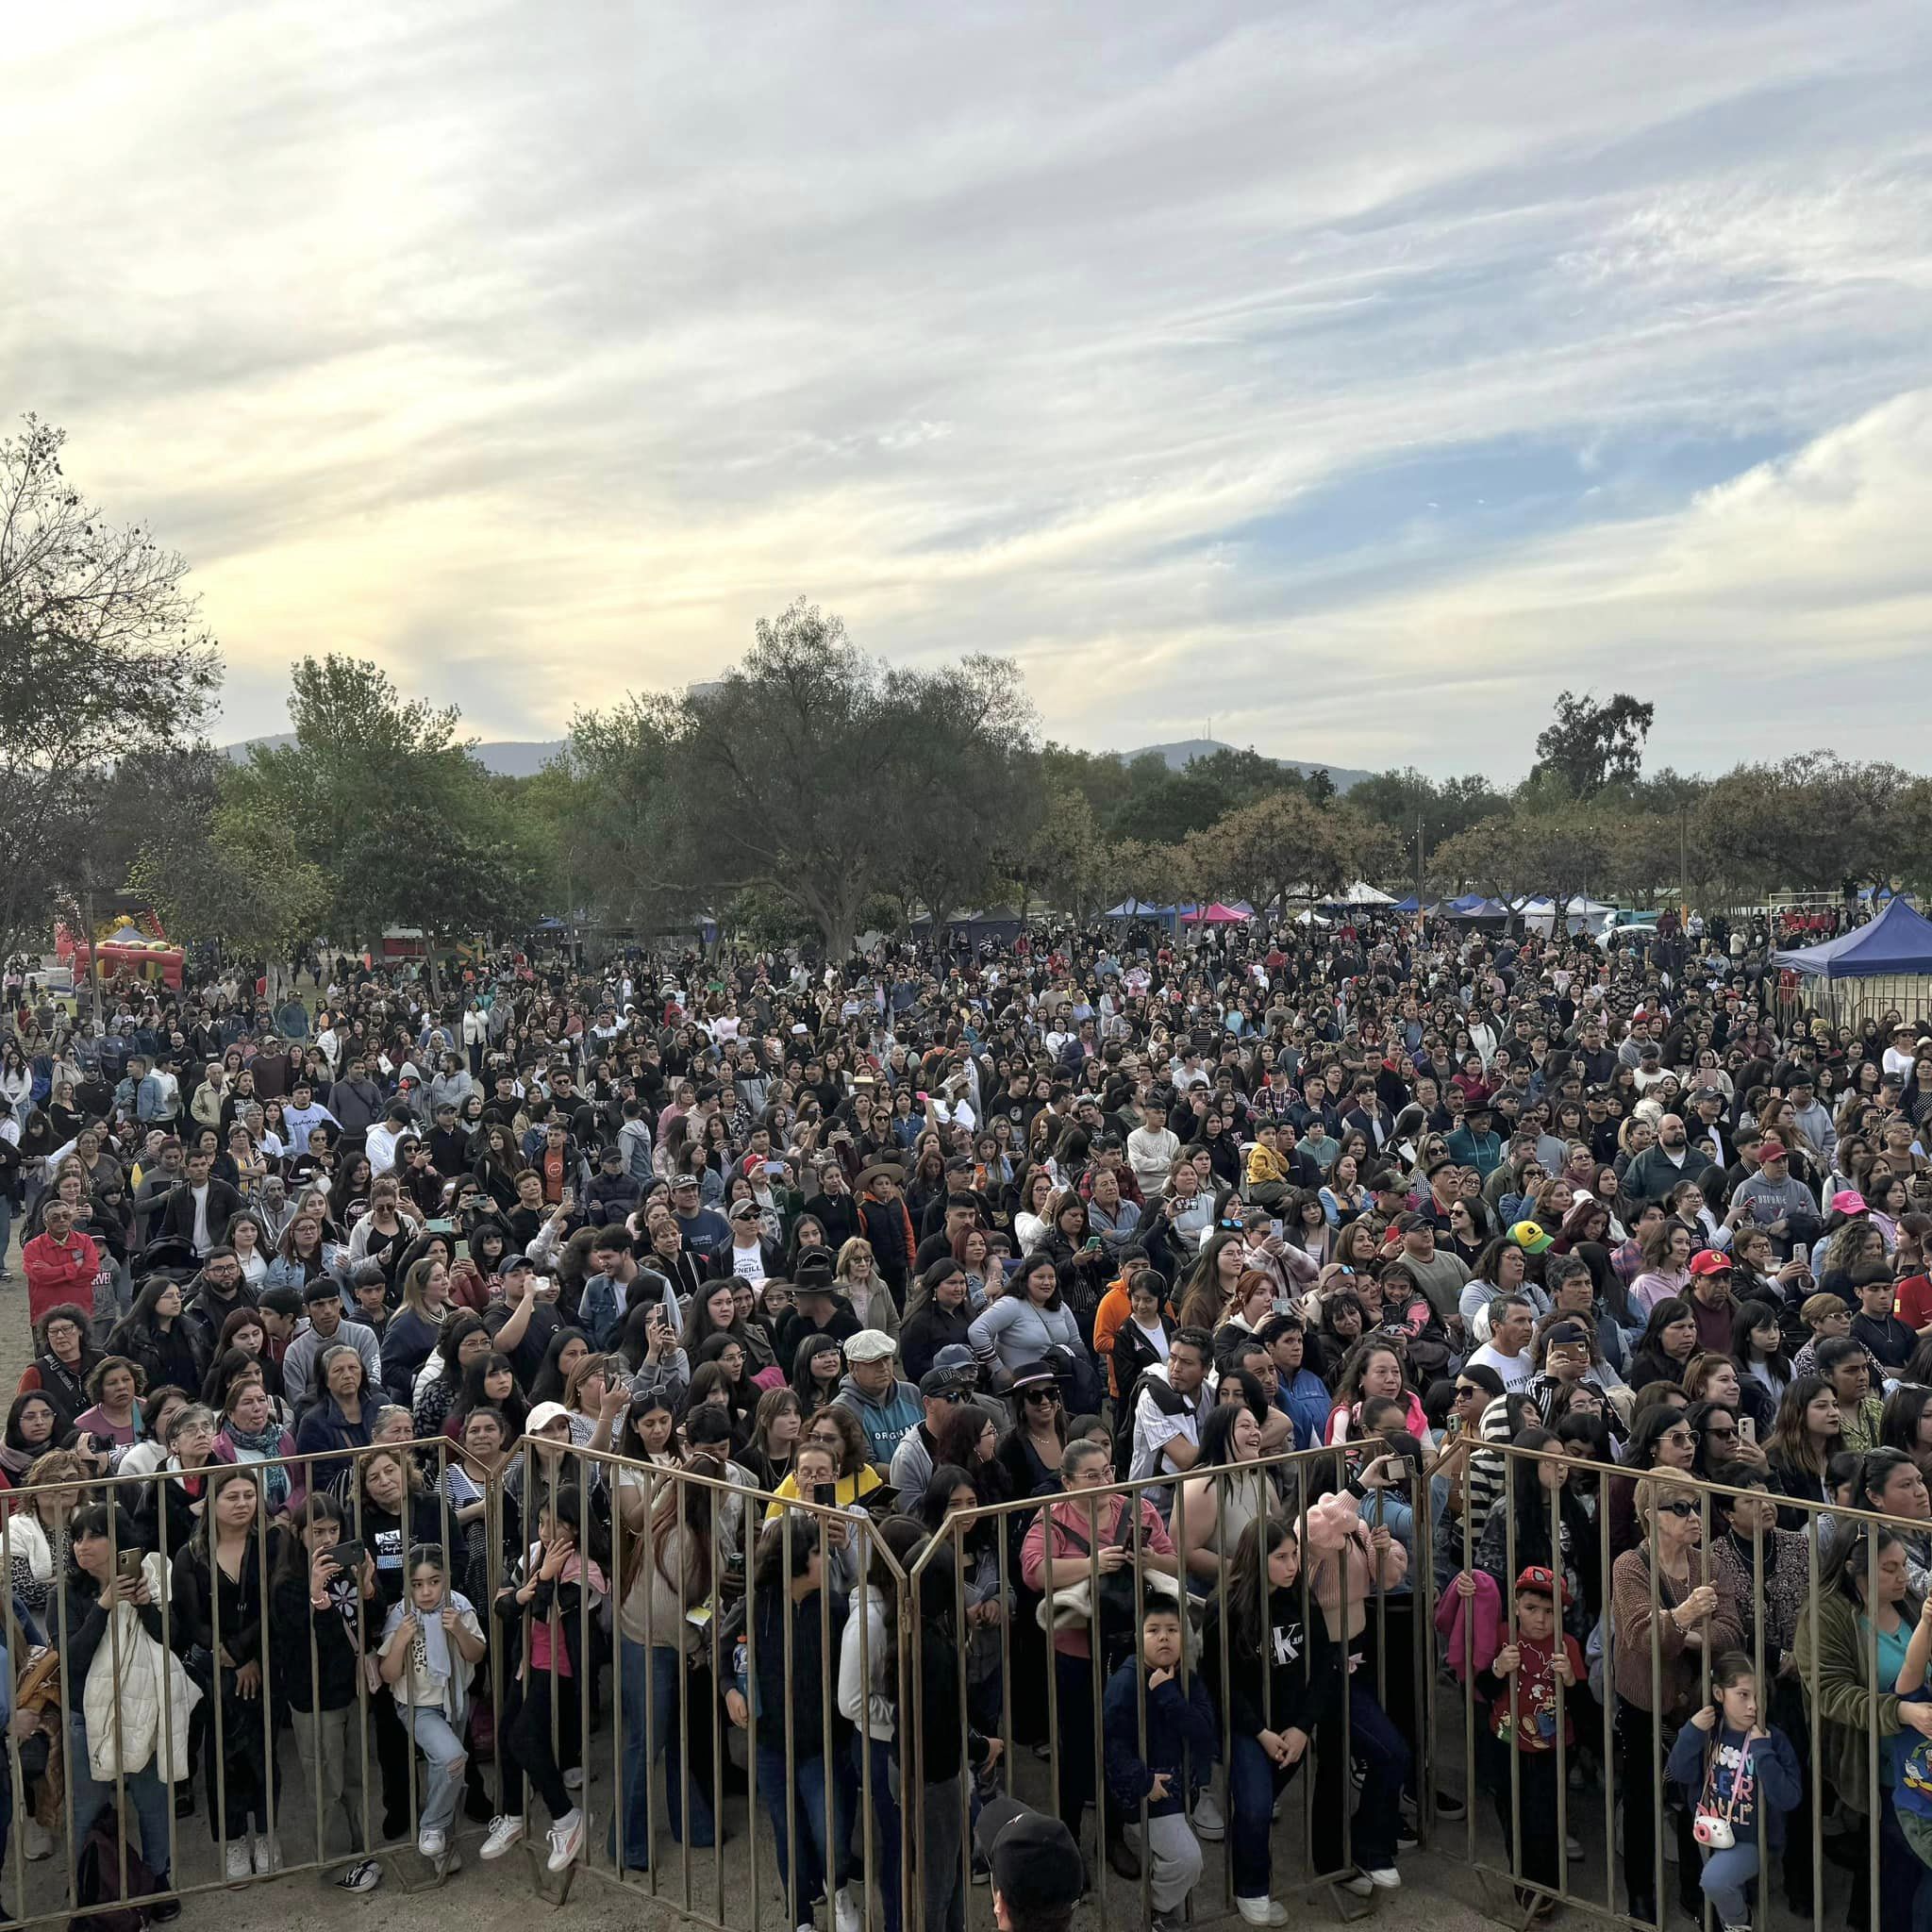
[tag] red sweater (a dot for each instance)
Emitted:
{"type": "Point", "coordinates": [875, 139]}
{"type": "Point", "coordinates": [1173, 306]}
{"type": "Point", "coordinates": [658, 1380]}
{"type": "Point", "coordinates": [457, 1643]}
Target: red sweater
{"type": "Point", "coordinates": [57, 1273]}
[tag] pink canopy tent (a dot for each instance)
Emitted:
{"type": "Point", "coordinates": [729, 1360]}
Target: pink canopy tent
{"type": "Point", "coordinates": [1216, 914]}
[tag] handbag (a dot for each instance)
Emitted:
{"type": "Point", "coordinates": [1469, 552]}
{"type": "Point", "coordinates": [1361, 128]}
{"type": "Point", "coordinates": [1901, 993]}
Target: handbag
{"type": "Point", "coordinates": [1711, 1828]}
{"type": "Point", "coordinates": [38, 1684]}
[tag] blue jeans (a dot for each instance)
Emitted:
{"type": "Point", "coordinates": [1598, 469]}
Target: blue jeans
{"type": "Point", "coordinates": [1377, 1746]}
{"type": "Point", "coordinates": [885, 1820]}
{"type": "Point", "coordinates": [153, 1801]}
{"type": "Point", "coordinates": [804, 1798]}
{"type": "Point", "coordinates": [648, 1678]}
{"type": "Point", "coordinates": [443, 1767]}
{"type": "Point", "coordinates": [1254, 1783]}
{"type": "Point", "coordinates": [1726, 1879]}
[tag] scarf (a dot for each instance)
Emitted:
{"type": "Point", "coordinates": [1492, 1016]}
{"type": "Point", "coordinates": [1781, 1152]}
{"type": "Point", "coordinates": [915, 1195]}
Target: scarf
{"type": "Point", "coordinates": [261, 1447]}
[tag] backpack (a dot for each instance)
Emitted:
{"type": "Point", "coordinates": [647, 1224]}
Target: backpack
{"type": "Point", "coordinates": [98, 1883]}
{"type": "Point", "coordinates": [1165, 1399]}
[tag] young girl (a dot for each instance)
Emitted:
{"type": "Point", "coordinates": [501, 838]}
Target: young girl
{"type": "Point", "coordinates": [1282, 1675]}
{"type": "Point", "coordinates": [1521, 1688]}
{"type": "Point", "coordinates": [430, 1644]}
{"type": "Point", "coordinates": [320, 1615]}
{"type": "Point", "coordinates": [1744, 1777]}
{"type": "Point", "coordinates": [547, 1602]}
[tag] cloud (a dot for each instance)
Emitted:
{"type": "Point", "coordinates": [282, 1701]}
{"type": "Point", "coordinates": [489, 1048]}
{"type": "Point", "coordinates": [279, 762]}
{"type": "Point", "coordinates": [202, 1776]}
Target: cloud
{"type": "Point", "coordinates": [1362, 378]}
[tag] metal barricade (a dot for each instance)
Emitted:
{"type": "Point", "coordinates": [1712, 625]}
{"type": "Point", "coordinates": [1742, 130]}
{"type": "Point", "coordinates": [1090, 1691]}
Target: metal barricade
{"type": "Point", "coordinates": [665, 1649]}
{"type": "Point", "coordinates": [1677, 1587]}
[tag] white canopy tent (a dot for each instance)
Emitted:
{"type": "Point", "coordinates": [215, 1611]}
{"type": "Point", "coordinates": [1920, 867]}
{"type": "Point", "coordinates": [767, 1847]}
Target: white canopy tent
{"type": "Point", "coordinates": [1539, 915]}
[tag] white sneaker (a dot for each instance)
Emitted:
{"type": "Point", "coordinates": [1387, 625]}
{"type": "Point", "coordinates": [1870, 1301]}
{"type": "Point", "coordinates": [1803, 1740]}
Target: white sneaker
{"type": "Point", "coordinates": [236, 1862]}
{"type": "Point", "coordinates": [845, 1910]}
{"type": "Point", "coordinates": [364, 1876]}
{"type": "Point", "coordinates": [37, 1839]}
{"type": "Point", "coordinates": [1262, 1911]}
{"type": "Point", "coordinates": [566, 1838]}
{"type": "Point", "coordinates": [1573, 1844]}
{"type": "Point", "coordinates": [1359, 1883]}
{"type": "Point", "coordinates": [1385, 1877]}
{"type": "Point", "coordinates": [432, 1844]}
{"type": "Point", "coordinates": [574, 1778]}
{"type": "Point", "coordinates": [267, 1854]}
{"type": "Point", "coordinates": [1208, 1823]}
{"type": "Point", "coordinates": [502, 1835]}
{"type": "Point", "coordinates": [450, 1863]}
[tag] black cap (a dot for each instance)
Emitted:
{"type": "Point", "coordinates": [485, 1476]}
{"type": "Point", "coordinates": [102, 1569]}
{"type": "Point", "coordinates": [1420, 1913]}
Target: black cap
{"type": "Point", "coordinates": [1035, 1861]}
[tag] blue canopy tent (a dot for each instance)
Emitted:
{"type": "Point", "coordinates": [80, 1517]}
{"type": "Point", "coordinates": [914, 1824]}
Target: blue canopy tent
{"type": "Point", "coordinates": [1472, 907]}
{"type": "Point", "coordinates": [1872, 970]}
{"type": "Point", "coordinates": [1408, 905]}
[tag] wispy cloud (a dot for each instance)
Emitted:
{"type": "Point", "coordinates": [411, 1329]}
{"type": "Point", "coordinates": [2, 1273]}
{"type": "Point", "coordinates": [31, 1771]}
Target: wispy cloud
{"type": "Point", "coordinates": [1361, 376]}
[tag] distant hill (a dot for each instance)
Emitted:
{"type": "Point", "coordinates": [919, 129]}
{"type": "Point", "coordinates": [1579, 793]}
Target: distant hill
{"type": "Point", "coordinates": [509, 757]}
{"type": "Point", "coordinates": [521, 758]}
{"type": "Point", "coordinates": [1178, 754]}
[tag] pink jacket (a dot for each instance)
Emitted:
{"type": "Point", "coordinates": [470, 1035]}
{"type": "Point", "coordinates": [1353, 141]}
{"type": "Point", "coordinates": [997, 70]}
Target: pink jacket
{"type": "Point", "coordinates": [1476, 1620]}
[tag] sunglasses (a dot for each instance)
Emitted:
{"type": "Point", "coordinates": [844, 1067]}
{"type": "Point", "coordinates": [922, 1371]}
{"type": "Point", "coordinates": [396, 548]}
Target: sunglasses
{"type": "Point", "coordinates": [1679, 1509]}
{"type": "Point", "coordinates": [1043, 1395]}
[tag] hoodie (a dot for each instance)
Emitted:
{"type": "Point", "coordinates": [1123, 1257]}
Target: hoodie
{"type": "Point", "coordinates": [887, 1419]}
{"type": "Point", "coordinates": [1181, 1739]}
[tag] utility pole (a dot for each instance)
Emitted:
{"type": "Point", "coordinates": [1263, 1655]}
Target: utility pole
{"type": "Point", "coordinates": [1683, 861]}
{"type": "Point", "coordinates": [1418, 862]}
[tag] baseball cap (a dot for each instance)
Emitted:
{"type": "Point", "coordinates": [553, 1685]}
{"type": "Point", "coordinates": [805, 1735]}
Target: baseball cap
{"type": "Point", "coordinates": [941, 1382]}
{"type": "Point", "coordinates": [1542, 1581]}
{"type": "Point", "coordinates": [955, 1356]}
{"type": "Point", "coordinates": [1708, 1262]}
{"type": "Point", "coordinates": [1846, 1201]}
{"type": "Point", "coordinates": [1035, 1862]}
{"type": "Point", "coordinates": [544, 1415]}
{"type": "Point", "coordinates": [1769, 1149]}
{"type": "Point", "coordinates": [1530, 1237]}
{"type": "Point", "coordinates": [869, 1345]}
{"type": "Point", "coordinates": [684, 1180]}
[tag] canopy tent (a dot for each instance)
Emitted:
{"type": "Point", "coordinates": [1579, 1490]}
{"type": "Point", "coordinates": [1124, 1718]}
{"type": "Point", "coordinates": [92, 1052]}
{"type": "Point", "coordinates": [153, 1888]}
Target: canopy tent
{"type": "Point", "coordinates": [1898, 940]}
{"type": "Point", "coordinates": [1872, 970]}
{"type": "Point", "coordinates": [1137, 908]}
{"type": "Point", "coordinates": [1360, 893]}
{"type": "Point", "coordinates": [1472, 906]}
{"type": "Point", "coordinates": [1216, 914]}
{"type": "Point", "coordinates": [1539, 915]}
{"type": "Point", "coordinates": [1409, 905]}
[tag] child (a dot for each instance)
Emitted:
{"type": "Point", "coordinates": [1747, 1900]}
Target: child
{"type": "Point", "coordinates": [1172, 1764]}
{"type": "Point", "coordinates": [1912, 1793]}
{"type": "Point", "coordinates": [1744, 1776]}
{"type": "Point", "coordinates": [431, 1642]}
{"type": "Point", "coordinates": [1520, 1687]}
{"type": "Point", "coordinates": [550, 1595]}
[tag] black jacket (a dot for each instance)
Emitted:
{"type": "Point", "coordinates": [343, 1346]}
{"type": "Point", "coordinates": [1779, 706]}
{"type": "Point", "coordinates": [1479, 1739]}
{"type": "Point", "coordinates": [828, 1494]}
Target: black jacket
{"type": "Point", "coordinates": [174, 1219]}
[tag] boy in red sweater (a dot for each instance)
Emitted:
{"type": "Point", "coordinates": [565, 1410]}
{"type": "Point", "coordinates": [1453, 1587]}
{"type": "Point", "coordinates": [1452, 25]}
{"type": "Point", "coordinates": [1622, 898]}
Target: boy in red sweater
{"type": "Point", "coordinates": [1520, 1687]}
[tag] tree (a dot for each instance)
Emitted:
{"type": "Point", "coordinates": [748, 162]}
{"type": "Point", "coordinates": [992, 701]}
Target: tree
{"type": "Point", "coordinates": [102, 656]}
{"type": "Point", "coordinates": [1815, 821]}
{"type": "Point", "coordinates": [385, 800]}
{"type": "Point", "coordinates": [1066, 860]}
{"type": "Point", "coordinates": [1284, 844]}
{"type": "Point", "coordinates": [234, 878]}
{"type": "Point", "coordinates": [816, 772]}
{"type": "Point", "coordinates": [1587, 745]}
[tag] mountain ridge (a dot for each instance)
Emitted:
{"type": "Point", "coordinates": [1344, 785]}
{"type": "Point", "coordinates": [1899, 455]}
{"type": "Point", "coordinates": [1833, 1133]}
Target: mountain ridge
{"type": "Point", "coordinates": [523, 758]}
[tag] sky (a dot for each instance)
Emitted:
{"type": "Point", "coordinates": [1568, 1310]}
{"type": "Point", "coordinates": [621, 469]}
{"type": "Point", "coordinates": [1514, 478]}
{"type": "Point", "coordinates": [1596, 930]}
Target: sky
{"type": "Point", "coordinates": [1352, 379]}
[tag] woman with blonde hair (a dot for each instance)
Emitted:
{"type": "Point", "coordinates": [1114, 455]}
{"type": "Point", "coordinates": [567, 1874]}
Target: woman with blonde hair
{"type": "Point", "coordinates": [858, 1283]}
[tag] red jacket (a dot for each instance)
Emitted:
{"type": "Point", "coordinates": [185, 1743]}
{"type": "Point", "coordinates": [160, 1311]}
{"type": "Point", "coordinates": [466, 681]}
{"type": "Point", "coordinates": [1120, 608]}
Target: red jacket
{"type": "Point", "coordinates": [56, 1273]}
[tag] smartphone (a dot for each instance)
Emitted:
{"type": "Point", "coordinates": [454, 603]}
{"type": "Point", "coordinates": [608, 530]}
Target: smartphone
{"type": "Point", "coordinates": [775, 1166]}
{"type": "Point", "coordinates": [348, 1557]}
{"type": "Point", "coordinates": [825, 1496]}
{"type": "Point", "coordinates": [1274, 1227]}
{"type": "Point", "coordinates": [1747, 1430]}
{"type": "Point", "coordinates": [439, 1227]}
{"type": "Point", "coordinates": [127, 1565]}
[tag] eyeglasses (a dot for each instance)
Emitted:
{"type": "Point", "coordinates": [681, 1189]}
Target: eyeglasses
{"type": "Point", "coordinates": [827, 1438]}
{"type": "Point", "coordinates": [1680, 1437]}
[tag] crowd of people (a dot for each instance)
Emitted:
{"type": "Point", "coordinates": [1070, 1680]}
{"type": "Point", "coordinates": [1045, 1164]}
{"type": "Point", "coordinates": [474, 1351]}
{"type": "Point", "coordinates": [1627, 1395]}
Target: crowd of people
{"type": "Point", "coordinates": [1393, 1262]}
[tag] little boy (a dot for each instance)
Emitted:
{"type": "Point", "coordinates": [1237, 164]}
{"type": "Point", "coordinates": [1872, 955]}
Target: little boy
{"type": "Point", "coordinates": [1520, 1686]}
{"type": "Point", "coordinates": [1180, 1747]}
